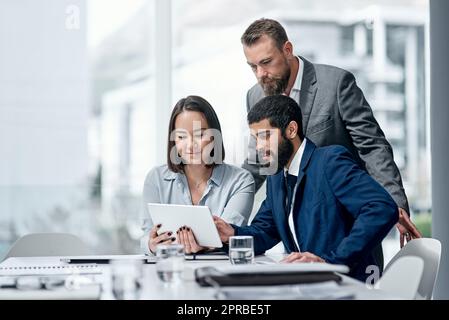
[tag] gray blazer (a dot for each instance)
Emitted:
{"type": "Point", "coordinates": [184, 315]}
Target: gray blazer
{"type": "Point", "coordinates": [335, 111]}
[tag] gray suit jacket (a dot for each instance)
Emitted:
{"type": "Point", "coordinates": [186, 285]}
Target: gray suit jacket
{"type": "Point", "coordinates": [335, 111]}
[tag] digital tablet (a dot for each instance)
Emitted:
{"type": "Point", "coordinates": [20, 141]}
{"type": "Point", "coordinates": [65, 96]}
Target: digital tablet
{"type": "Point", "coordinates": [198, 218]}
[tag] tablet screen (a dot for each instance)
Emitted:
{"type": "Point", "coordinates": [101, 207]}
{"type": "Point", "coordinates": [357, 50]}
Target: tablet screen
{"type": "Point", "coordinates": [198, 218]}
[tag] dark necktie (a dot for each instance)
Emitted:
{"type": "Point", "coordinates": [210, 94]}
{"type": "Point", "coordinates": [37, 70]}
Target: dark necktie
{"type": "Point", "coordinates": [290, 184]}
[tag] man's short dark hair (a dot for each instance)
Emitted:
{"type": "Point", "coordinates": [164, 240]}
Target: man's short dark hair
{"type": "Point", "coordinates": [198, 104]}
{"type": "Point", "coordinates": [279, 110]}
{"type": "Point", "coordinates": [269, 27]}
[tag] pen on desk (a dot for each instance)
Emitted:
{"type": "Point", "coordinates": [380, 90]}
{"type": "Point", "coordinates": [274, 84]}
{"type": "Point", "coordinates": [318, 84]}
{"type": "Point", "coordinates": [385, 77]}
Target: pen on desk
{"type": "Point", "coordinates": [85, 261]}
{"type": "Point", "coordinates": [8, 285]}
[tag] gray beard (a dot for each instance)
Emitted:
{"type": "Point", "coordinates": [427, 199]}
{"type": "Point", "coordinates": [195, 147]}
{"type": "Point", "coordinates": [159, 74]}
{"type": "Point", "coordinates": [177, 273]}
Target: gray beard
{"type": "Point", "coordinates": [278, 86]}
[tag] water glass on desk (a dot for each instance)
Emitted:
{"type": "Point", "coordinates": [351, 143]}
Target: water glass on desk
{"type": "Point", "coordinates": [126, 277]}
{"type": "Point", "coordinates": [241, 249]}
{"type": "Point", "coordinates": [170, 262]}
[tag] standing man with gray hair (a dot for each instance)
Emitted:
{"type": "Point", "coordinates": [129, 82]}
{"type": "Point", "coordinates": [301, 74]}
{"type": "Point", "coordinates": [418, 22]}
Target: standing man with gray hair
{"type": "Point", "coordinates": [334, 109]}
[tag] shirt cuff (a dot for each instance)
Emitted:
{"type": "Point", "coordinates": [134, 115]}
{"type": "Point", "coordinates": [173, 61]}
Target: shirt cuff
{"type": "Point", "coordinates": [144, 244]}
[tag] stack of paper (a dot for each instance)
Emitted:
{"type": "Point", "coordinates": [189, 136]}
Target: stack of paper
{"type": "Point", "coordinates": [45, 266]}
{"type": "Point", "coordinates": [323, 290]}
{"type": "Point", "coordinates": [84, 293]}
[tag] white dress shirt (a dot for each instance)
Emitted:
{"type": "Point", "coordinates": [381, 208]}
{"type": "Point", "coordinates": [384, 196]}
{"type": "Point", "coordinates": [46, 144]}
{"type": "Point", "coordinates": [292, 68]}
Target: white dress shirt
{"type": "Point", "coordinates": [294, 92]}
{"type": "Point", "coordinates": [294, 170]}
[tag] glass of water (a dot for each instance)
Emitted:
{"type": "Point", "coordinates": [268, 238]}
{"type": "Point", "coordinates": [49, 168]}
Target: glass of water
{"type": "Point", "coordinates": [126, 277]}
{"type": "Point", "coordinates": [241, 249]}
{"type": "Point", "coordinates": [170, 262]}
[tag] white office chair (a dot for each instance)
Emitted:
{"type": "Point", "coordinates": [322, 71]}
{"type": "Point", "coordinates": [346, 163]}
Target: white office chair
{"type": "Point", "coordinates": [47, 245]}
{"type": "Point", "coordinates": [403, 277]}
{"type": "Point", "coordinates": [429, 250]}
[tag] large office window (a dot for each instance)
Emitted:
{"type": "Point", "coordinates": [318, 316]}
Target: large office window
{"type": "Point", "coordinates": [86, 89]}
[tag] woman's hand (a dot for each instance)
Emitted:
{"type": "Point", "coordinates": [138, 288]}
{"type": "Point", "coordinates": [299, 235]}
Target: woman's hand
{"type": "Point", "coordinates": [163, 238]}
{"type": "Point", "coordinates": [187, 239]}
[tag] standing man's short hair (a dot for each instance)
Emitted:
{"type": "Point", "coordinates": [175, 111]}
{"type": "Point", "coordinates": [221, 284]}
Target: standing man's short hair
{"type": "Point", "coordinates": [268, 27]}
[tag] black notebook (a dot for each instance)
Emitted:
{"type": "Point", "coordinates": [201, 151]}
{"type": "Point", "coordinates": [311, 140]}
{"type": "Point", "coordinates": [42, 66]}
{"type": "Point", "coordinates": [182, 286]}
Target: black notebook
{"type": "Point", "coordinates": [209, 255]}
{"type": "Point", "coordinates": [209, 276]}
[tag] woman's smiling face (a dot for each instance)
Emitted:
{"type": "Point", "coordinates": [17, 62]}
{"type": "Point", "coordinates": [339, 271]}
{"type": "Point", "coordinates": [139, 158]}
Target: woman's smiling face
{"type": "Point", "coordinates": [192, 136]}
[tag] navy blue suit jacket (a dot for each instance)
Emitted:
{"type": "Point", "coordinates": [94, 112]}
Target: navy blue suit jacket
{"type": "Point", "coordinates": [340, 212]}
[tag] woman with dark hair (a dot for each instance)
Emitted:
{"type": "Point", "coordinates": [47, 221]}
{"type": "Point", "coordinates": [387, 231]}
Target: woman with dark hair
{"type": "Point", "coordinates": [195, 174]}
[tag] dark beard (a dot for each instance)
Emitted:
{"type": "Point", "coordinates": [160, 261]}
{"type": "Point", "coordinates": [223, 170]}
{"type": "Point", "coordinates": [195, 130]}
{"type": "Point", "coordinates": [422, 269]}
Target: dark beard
{"type": "Point", "coordinates": [276, 86]}
{"type": "Point", "coordinates": [285, 151]}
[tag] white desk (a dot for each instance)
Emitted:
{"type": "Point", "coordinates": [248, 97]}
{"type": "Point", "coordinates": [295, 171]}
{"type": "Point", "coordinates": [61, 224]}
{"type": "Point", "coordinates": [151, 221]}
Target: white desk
{"type": "Point", "coordinates": [188, 289]}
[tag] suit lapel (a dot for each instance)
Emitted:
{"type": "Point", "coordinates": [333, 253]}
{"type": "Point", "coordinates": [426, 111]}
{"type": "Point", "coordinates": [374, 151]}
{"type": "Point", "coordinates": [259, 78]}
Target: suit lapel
{"type": "Point", "coordinates": [308, 92]}
{"type": "Point", "coordinates": [279, 201]}
{"type": "Point", "coordinates": [278, 192]}
{"type": "Point", "coordinates": [307, 155]}
{"type": "Point", "coordinates": [280, 213]}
